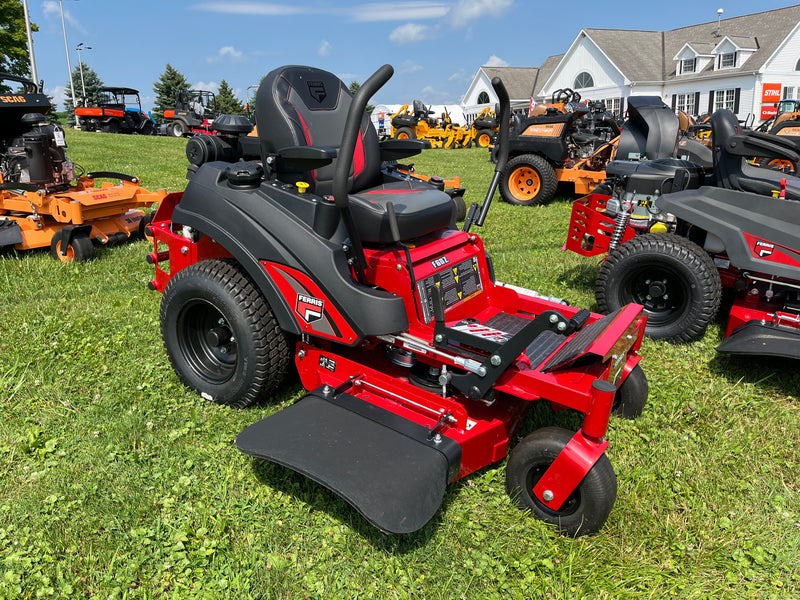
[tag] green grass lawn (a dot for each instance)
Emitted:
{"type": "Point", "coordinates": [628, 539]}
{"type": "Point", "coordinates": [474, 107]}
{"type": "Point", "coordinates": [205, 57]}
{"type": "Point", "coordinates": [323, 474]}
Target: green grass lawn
{"type": "Point", "coordinates": [118, 482]}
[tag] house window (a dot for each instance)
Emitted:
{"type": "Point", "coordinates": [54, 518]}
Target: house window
{"type": "Point", "coordinates": [583, 80]}
{"type": "Point", "coordinates": [797, 66]}
{"type": "Point", "coordinates": [612, 105]}
{"type": "Point", "coordinates": [724, 99]}
{"type": "Point", "coordinates": [727, 60]}
{"type": "Point", "coordinates": [483, 98]}
{"type": "Point", "coordinates": [788, 93]}
{"type": "Point", "coordinates": [685, 103]}
{"type": "Point", "coordinates": [687, 65]}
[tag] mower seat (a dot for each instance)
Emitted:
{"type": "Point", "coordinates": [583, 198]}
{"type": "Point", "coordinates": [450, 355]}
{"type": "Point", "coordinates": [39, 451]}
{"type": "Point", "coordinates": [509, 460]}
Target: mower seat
{"type": "Point", "coordinates": [731, 149]}
{"type": "Point", "coordinates": [305, 109]}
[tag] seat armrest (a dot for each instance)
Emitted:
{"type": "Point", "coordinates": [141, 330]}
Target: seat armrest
{"type": "Point", "coordinates": [298, 159]}
{"type": "Point", "coordinates": [393, 149]}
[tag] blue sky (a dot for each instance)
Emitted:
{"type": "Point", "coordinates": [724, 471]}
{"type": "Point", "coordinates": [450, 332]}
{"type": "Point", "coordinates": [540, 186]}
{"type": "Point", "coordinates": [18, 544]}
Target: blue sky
{"type": "Point", "coordinates": [435, 46]}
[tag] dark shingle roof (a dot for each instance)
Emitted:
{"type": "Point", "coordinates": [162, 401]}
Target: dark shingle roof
{"type": "Point", "coordinates": [519, 81]}
{"type": "Point", "coordinates": [647, 55]}
{"type": "Point", "coordinates": [546, 70]}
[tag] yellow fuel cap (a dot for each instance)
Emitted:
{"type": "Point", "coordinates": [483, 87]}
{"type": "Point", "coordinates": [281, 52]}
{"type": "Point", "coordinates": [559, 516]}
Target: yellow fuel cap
{"type": "Point", "coordinates": [302, 187]}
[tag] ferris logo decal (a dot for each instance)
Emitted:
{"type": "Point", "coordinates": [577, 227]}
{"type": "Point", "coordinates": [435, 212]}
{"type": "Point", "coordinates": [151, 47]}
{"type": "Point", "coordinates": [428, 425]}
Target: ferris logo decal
{"type": "Point", "coordinates": [440, 262]}
{"type": "Point", "coordinates": [309, 308]}
{"type": "Point", "coordinates": [763, 249]}
{"type": "Point", "coordinates": [317, 90]}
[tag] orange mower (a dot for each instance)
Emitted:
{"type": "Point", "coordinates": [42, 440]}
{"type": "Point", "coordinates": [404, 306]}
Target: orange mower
{"type": "Point", "coordinates": [39, 204]}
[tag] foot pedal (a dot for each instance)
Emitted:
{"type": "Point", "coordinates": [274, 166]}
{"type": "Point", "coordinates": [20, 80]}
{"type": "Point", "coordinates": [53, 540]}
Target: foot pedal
{"type": "Point", "coordinates": [380, 463]}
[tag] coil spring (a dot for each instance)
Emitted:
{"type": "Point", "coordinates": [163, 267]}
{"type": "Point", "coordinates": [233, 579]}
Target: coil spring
{"type": "Point", "coordinates": [619, 228]}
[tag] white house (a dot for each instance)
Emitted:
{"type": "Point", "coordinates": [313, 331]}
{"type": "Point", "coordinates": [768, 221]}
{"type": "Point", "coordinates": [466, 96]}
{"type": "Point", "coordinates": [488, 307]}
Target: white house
{"type": "Point", "coordinates": [745, 64]}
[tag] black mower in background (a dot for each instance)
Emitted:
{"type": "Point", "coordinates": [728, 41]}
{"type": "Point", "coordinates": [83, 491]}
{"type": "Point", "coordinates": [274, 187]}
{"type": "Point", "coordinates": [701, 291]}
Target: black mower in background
{"type": "Point", "coordinates": [420, 368]}
{"type": "Point", "coordinates": [678, 233]}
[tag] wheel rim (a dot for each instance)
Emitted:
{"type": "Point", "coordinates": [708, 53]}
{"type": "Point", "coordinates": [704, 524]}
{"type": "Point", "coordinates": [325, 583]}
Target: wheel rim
{"type": "Point", "coordinates": [660, 289]}
{"type": "Point", "coordinates": [402, 136]}
{"type": "Point", "coordinates": [206, 342]}
{"type": "Point", "coordinates": [524, 183]}
{"type": "Point", "coordinates": [65, 258]}
{"type": "Point", "coordinates": [484, 140]}
{"type": "Point", "coordinates": [570, 505]}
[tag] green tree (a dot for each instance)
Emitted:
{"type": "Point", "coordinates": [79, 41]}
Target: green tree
{"type": "Point", "coordinates": [91, 83]}
{"type": "Point", "coordinates": [13, 39]}
{"type": "Point", "coordinates": [354, 87]}
{"type": "Point", "coordinates": [226, 102]}
{"type": "Point", "coordinates": [167, 87]}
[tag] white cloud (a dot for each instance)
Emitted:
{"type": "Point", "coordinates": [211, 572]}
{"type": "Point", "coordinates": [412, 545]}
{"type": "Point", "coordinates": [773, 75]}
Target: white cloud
{"type": "Point", "coordinates": [58, 93]}
{"type": "Point", "coordinates": [467, 11]}
{"type": "Point", "coordinates": [399, 11]}
{"type": "Point", "coordinates": [53, 9]}
{"type": "Point", "coordinates": [460, 75]}
{"type": "Point", "coordinates": [411, 33]}
{"type": "Point", "coordinates": [227, 53]}
{"type": "Point", "coordinates": [434, 96]}
{"type": "Point", "coordinates": [409, 66]}
{"type": "Point", "coordinates": [211, 86]}
{"type": "Point", "coordinates": [324, 48]}
{"type": "Point", "coordinates": [252, 8]}
{"type": "Point", "coordinates": [495, 61]}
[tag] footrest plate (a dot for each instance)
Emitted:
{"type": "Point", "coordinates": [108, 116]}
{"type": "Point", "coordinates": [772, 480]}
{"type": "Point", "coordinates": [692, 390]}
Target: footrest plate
{"type": "Point", "coordinates": [395, 480]}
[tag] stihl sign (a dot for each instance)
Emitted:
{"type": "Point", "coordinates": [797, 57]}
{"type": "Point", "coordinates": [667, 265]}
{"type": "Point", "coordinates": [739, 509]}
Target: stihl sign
{"type": "Point", "coordinates": [771, 92]}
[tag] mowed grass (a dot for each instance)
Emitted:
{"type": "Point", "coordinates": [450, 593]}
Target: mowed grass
{"type": "Point", "coordinates": [118, 482]}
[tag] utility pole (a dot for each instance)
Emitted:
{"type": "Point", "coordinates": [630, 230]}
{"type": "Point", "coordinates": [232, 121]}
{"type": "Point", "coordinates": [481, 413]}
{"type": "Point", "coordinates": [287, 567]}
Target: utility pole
{"type": "Point", "coordinates": [34, 74]}
{"type": "Point", "coordinates": [66, 49]}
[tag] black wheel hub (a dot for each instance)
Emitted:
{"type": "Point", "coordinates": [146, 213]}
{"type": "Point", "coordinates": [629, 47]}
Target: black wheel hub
{"type": "Point", "coordinates": [660, 291]}
{"type": "Point", "coordinates": [206, 342]}
{"type": "Point", "coordinates": [569, 506]}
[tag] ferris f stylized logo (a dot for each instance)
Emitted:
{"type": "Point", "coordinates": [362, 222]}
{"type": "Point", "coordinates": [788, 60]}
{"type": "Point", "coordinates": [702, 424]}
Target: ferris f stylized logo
{"type": "Point", "coordinates": [317, 90]}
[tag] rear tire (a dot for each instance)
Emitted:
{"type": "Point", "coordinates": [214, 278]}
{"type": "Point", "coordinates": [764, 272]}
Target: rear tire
{"type": "Point", "coordinates": [111, 127]}
{"type": "Point", "coordinates": [405, 133]}
{"type": "Point", "coordinates": [80, 249]}
{"type": "Point", "coordinates": [179, 129]}
{"type": "Point", "coordinates": [673, 278]}
{"type": "Point", "coordinates": [484, 138]}
{"type": "Point", "coordinates": [221, 336]}
{"type": "Point", "coordinates": [589, 505]}
{"type": "Point", "coordinates": [528, 180]}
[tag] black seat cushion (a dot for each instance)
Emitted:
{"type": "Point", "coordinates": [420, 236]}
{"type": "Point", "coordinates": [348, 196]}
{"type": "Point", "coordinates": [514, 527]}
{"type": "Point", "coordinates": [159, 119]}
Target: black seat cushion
{"type": "Point", "coordinates": [420, 209]}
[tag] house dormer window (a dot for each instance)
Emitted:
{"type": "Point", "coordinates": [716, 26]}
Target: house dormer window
{"type": "Point", "coordinates": [483, 98]}
{"type": "Point", "coordinates": [727, 60]}
{"type": "Point", "coordinates": [688, 65]}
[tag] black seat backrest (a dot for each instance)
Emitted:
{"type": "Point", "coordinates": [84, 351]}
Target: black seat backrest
{"type": "Point", "coordinates": [651, 130]}
{"type": "Point", "coordinates": [733, 171]}
{"type": "Point", "coordinates": [305, 106]}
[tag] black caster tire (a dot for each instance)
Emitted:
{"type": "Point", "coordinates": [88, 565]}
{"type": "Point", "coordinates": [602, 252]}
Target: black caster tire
{"type": "Point", "coordinates": [631, 397]}
{"type": "Point", "coordinates": [80, 249]}
{"type": "Point", "coordinates": [589, 505]}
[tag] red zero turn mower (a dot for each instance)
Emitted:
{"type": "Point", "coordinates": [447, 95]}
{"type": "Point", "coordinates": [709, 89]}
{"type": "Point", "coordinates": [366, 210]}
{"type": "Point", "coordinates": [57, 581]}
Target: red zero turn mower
{"type": "Point", "coordinates": [420, 368]}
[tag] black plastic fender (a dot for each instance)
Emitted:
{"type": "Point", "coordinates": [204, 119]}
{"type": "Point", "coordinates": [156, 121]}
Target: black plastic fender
{"type": "Point", "coordinates": [272, 222]}
{"type": "Point", "coordinates": [729, 214]}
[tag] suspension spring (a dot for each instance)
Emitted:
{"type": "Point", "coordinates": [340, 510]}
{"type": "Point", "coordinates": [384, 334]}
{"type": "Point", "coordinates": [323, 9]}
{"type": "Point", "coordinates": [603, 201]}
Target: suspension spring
{"type": "Point", "coordinates": [619, 227]}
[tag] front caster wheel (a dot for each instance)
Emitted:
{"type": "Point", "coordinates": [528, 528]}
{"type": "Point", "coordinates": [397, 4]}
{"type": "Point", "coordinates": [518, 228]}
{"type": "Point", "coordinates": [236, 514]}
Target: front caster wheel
{"type": "Point", "coordinates": [631, 396]}
{"type": "Point", "coordinates": [586, 509]}
{"type": "Point", "coordinates": [221, 335]}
